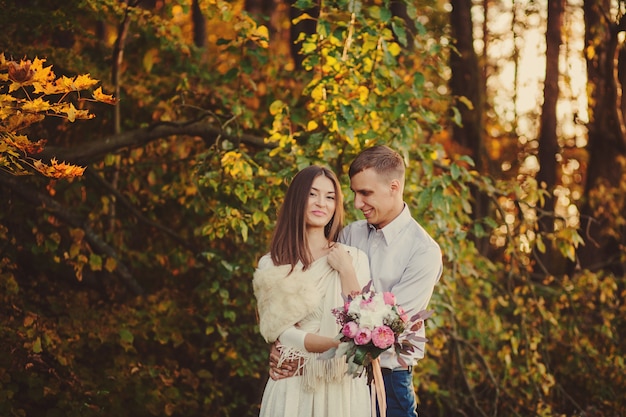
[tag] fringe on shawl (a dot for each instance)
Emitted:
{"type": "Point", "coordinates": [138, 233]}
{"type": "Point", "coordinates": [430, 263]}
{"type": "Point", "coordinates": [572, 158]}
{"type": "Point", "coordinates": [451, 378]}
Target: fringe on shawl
{"type": "Point", "coordinates": [314, 371]}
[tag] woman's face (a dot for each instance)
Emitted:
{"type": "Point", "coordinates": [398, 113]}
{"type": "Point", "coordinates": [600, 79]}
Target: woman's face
{"type": "Point", "coordinates": [320, 206]}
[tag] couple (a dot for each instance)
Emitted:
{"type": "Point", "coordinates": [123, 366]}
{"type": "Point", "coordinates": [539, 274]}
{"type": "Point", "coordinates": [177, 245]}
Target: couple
{"type": "Point", "coordinates": [307, 273]}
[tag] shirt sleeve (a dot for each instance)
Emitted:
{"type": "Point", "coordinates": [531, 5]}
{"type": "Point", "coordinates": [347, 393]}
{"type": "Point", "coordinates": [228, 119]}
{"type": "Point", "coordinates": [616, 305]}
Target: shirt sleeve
{"type": "Point", "coordinates": [293, 337]}
{"type": "Point", "coordinates": [414, 290]}
{"type": "Point", "coordinates": [413, 293]}
{"type": "Point", "coordinates": [362, 267]}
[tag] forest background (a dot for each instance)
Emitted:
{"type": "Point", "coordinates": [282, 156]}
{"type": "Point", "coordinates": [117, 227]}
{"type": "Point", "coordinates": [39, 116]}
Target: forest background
{"type": "Point", "coordinates": [146, 145]}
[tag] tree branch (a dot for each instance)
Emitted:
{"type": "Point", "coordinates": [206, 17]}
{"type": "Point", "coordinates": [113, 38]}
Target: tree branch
{"type": "Point", "coordinates": [136, 138]}
{"type": "Point", "coordinates": [137, 213]}
{"type": "Point", "coordinates": [71, 218]}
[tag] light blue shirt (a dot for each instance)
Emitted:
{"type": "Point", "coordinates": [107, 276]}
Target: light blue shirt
{"type": "Point", "coordinates": [404, 260]}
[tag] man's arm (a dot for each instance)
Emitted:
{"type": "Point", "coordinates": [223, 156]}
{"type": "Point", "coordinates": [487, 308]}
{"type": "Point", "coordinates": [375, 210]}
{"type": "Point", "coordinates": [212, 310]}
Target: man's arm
{"type": "Point", "coordinates": [416, 286]}
{"type": "Point", "coordinates": [413, 293]}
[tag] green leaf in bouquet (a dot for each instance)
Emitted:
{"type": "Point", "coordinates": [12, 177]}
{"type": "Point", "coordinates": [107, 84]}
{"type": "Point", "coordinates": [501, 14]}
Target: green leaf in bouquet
{"type": "Point", "coordinates": [360, 355]}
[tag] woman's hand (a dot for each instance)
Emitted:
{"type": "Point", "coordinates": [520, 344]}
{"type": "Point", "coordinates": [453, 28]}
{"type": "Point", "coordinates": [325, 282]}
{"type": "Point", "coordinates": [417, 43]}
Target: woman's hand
{"type": "Point", "coordinates": [340, 260]}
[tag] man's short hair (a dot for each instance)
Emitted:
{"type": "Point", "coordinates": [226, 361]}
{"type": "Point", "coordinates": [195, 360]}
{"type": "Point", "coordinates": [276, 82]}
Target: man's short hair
{"type": "Point", "coordinates": [384, 160]}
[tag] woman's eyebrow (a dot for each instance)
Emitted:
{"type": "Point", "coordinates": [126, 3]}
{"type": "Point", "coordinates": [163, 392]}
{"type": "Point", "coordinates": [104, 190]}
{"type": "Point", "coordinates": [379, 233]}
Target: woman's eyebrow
{"type": "Point", "coordinates": [327, 192]}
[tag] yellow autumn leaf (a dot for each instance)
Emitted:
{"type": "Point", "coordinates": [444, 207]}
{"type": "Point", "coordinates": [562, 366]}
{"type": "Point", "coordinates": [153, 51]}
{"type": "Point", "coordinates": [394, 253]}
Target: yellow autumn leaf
{"type": "Point", "coordinates": [276, 107]}
{"type": "Point", "coordinates": [6, 99]}
{"type": "Point", "coordinates": [39, 166]}
{"type": "Point", "coordinates": [149, 58]}
{"type": "Point", "coordinates": [335, 41]}
{"type": "Point", "coordinates": [110, 264]}
{"type": "Point", "coordinates": [65, 84]}
{"type": "Point", "coordinates": [318, 93]}
{"type": "Point", "coordinates": [369, 44]}
{"type": "Point", "coordinates": [84, 81]}
{"type": "Point", "coordinates": [394, 49]}
{"type": "Point", "coordinates": [14, 86]}
{"type": "Point", "coordinates": [36, 105]}
{"type": "Point", "coordinates": [71, 112]}
{"type": "Point", "coordinates": [308, 47]}
{"type": "Point", "coordinates": [333, 126]}
{"type": "Point", "coordinates": [468, 103]}
{"type": "Point", "coordinates": [37, 64]}
{"type": "Point", "coordinates": [104, 98]}
{"type": "Point", "coordinates": [37, 348]}
{"type": "Point", "coordinates": [312, 125]}
{"type": "Point", "coordinates": [368, 64]}
{"type": "Point", "coordinates": [261, 34]}
{"type": "Point", "coordinates": [303, 16]}
{"type": "Point", "coordinates": [42, 74]}
{"type": "Point", "coordinates": [330, 64]}
{"type": "Point", "coordinates": [48, 88]}
{"type": "Point", "coordinates": [364, 93]}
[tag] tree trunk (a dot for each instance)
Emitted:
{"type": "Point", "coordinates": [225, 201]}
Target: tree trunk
{"type": "Point", "coordinates": [307, 26]}
{"type": "Point", "coordinates": [467, 85]}
{"type": "Point", "coordinates": [549, 261]}
{"type": "Point", "coordinates": [606, 141]}
{"type": "Point", "coordinates": [199, 25]}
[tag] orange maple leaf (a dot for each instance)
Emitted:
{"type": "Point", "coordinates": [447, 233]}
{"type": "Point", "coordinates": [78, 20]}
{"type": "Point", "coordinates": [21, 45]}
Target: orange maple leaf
{"type": "Point", "coordinates": [58, 170]}
{"type": "Point", "coordinates": [22, 143]}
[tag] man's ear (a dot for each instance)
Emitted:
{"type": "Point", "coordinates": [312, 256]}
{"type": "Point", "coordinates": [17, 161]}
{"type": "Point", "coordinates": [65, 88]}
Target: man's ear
{"type": "Point", "coordinates": [396, 186]}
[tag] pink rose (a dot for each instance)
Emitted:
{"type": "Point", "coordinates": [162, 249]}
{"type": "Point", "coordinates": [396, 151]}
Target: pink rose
{"type": "Point", "coordinates": [363, 336]}
{"type": "Point", "coordinates": [383, 337]}
{"type": "Point", "coordinates": [389, 297]}
{"type": "Point", "coordinates": [402, 314]}
{"type": "Point", "coordinates": [350, 329]}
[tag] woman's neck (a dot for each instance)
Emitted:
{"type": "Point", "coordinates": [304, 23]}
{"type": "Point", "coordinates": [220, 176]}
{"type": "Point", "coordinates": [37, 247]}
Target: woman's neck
{"type": "Point", "coordinates": [319, 245]}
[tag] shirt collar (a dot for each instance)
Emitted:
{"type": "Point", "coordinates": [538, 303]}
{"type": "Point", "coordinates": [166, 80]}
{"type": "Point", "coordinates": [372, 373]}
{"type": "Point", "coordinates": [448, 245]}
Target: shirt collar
{"type": "Point", "coordinates": [396, 226]}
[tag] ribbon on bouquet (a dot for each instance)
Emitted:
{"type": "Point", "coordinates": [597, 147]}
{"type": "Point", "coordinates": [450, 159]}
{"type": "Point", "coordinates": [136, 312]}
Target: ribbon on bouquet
{"type": "Point", "coordinates": [378, 390]}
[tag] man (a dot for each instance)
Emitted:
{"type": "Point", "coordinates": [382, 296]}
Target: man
{"type": "Point", "coordinates": [403, 259]}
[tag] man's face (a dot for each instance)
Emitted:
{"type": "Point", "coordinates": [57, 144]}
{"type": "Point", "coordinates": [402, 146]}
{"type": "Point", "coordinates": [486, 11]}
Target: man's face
{"type": "Point", "coordinates": [376, 197]}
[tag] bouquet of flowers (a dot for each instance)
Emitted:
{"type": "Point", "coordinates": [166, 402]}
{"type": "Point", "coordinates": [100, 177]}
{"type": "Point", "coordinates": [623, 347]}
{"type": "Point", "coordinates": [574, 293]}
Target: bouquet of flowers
{"type": "Point", "coordinates": [372, 322]}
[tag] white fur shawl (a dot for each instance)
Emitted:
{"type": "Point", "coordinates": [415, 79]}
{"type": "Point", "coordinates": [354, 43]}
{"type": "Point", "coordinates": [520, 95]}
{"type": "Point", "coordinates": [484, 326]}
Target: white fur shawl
{"type": "Point", "coordinates": [283, 298]}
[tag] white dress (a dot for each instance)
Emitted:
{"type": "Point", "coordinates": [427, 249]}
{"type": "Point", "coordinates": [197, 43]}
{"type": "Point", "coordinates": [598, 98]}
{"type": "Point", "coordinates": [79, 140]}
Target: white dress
{"type": "Point", "coordinates": [343, 396]}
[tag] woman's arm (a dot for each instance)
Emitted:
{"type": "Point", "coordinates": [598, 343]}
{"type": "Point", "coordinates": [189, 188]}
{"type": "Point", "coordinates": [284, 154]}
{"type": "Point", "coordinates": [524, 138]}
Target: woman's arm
{"type": "Point", "coordinates": [310, 342]}
{"type": "Point", "coordinates": [319, 344]}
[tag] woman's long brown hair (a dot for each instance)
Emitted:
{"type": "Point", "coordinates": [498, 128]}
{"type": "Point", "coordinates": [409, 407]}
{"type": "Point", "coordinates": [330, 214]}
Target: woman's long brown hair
{"type": "Point", "coordinates": [289, 240]}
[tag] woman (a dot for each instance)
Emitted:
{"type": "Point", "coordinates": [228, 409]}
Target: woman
{"type": "Point", "coordinates": [305, 275]}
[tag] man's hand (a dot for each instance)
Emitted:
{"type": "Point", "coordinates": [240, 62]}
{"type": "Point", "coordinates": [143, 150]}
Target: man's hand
{"type": "Point", "coordinates": [287, 369]}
